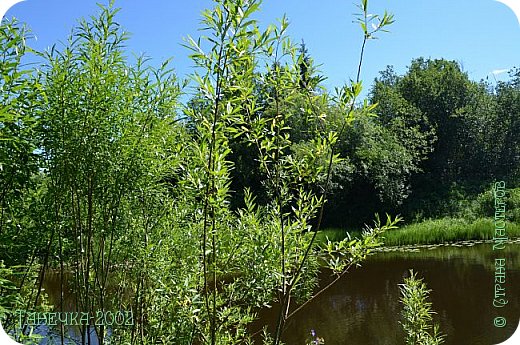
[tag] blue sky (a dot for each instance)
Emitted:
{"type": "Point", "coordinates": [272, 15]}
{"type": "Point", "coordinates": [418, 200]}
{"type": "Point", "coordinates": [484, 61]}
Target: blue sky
{"type": "Point", "coordinates": [483, 35]}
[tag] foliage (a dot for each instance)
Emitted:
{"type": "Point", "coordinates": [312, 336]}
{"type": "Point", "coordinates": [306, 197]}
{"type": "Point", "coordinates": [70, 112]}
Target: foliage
{"type": "Point", "coordinates": [484, 205]}
{"type": "Point", "coordinates": [467, 218]}
{"type": "Point", "coordinates": [241, 103]}
{"type": "Point", "coordinates": [18, 144]}
{"type": "Point", "coordinates": [20, 189]}
{"type": "Point", "coordinates": [382, 161]}
{"type": "Point", "coordinates": [17, 120]}
{"type": "Point", "coordinates": [417, 313]}
{"type": "Point", "coordinates": [195, 223]}
{"type": "Point", "coordinates": [457, 130]}
{"type": "Point", "coordinates": [108, 146]}
{"type": "Point", "coordinates": [342, 255]}
{"type": "Point", "coordinates": [14, 296]}
{"type": "Point", "coordinates": [9, 298]}
{"type": "Point", "coordinates": [505, 135]}
{"type": "Point", "coordinates": [123, 189]}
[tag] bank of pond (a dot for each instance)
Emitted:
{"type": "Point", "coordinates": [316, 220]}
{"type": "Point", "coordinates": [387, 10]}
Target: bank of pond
{"type": "Point", "coordinates": [432, 231]}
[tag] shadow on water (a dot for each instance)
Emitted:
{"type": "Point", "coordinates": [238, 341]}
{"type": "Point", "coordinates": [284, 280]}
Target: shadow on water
{"type": "Point", "coordinates": [363, 308]}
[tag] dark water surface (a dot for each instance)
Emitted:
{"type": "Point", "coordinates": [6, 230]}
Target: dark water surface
{"type": "Point", "coordinates": [363, 307]}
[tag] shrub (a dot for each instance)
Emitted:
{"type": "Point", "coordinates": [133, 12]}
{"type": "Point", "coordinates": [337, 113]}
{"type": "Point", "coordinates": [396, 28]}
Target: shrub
{"type": "Point", "coordinates": [417, 313]}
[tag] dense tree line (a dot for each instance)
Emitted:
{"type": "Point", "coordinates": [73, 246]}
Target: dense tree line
{"type": "Point", "coordinates": [438, 137]}
{"type": "Point", "coordinates": [473, 128]}
{"type": "Point", "coordinates": [434, 136]}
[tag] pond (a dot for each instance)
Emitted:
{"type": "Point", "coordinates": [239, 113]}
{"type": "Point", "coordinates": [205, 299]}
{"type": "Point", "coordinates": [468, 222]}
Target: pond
{"type": "Point", "coordinates": [363, 307]}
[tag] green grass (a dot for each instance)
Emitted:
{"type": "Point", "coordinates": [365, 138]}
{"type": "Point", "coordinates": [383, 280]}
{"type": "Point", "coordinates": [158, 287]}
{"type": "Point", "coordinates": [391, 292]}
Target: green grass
{"type": "Point", "coordinates": [433, 232]}
{"type": "Point", "coordinates": [335, 235]}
